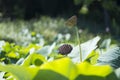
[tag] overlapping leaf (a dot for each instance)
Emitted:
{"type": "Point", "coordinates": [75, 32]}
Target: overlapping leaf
{"type": "Point", "coordinates": [86, 49]}
{"type": "Point", "coordinates": [60, 69]}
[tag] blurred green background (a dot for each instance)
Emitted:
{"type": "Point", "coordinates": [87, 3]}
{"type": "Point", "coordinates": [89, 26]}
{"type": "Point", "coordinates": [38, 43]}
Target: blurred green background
{"type": "Point", "coordinates": [22, 20]}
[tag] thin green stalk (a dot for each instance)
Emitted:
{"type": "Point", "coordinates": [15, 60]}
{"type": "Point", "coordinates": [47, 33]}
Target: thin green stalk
{"type": "Point", "coordinates": [78, 40]}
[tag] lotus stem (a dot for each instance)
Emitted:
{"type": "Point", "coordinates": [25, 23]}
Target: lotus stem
{"type": "Point", "coordinates": [79, 43]}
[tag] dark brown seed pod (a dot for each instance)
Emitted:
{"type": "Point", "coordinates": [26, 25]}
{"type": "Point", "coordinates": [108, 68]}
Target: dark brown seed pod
{"type": "Point", "coordinates": [65, 49]}
{"type": "Point", "coordinates": [72, 21]}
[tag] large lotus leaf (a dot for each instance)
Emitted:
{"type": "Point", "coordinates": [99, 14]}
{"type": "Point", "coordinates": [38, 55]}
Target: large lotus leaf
{"type": "Point", "coordinates": [62, 66]}
{"type": "Point", "coordinates": [91, 77]}
{"type": "Point", "coordinates": [20, 72]}
{"type": "Point", "coordinates": [86, 49]}
{"type": "Point", "coordinates": [92, 72]}
{"type": "Point", "coordinates": [86, 68]}
{"type": "Point", "coordinates": [49, 75]}
{"type": "Point", "coordinates": [65, 69]}
{"type": "Point", "coordinates": [112, 76]}
{"type": "Point", "coordinates": [111, 57]}
{"type": "Point", "coordinates": [83, 77]}
{"type": "Point", "coordinates": [60, 69]}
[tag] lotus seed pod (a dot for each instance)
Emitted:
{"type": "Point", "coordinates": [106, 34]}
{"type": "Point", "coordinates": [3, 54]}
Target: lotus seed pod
{"type": "Point", "coordinates": [65, 49]}
{"type": "Point", "coordinates": [72, 21]}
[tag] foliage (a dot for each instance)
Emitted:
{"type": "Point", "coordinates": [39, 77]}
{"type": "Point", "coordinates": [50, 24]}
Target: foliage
{"type": "Point", "coordinates": [101, 13]}
{"type": "Point", "coordinates": [34, 62]}
{"type": "Point", "coordinates": [109, 5]}
{"type": "Point", "coordinates": [113, 57]}
{"type": "Point", "coordinates": [35, 31]}
{"type": "Point", "coordinates": [32, 58]}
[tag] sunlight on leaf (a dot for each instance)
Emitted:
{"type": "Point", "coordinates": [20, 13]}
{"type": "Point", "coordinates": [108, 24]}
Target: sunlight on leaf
{"type": "Point", "coordinates": [88, 69]}
{"type": "Point", "coordinates": [62, 66]}
{"type": "Point", "coordinates": [86, 48]}
{"type": "Point", "coordinates": [20, 72]}
{"type": "Point", "coordinates": [93, 72]}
